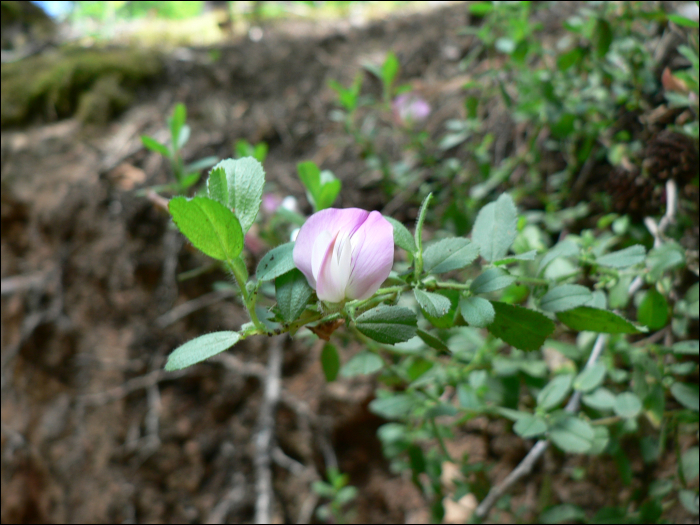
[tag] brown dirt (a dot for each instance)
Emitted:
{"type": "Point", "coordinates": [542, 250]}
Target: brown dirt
{"type": "Point", "coordinates": [82, 439]}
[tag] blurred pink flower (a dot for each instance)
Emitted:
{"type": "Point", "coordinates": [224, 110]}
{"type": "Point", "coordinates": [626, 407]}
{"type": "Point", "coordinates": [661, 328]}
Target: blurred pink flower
{"type": "Point", "coordinates": [410, 108]}
{"type": "Point", "coordinates": [270, 203]}
{"type": "Point", "coordinates": [345, 254]}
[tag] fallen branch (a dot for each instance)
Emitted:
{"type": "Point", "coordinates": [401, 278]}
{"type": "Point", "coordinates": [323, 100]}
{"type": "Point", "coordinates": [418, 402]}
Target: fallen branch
{"type": "Point", "coordinates": [132, 385]}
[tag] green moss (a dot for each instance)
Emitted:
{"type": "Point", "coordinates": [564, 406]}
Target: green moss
{"type": "Point", "coordinates": [55, 85]}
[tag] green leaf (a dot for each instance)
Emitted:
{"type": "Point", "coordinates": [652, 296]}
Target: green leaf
{"type": "Point", "coordinates": [491, 280]}
{"type": "Point", "coordinates": [418, 234]}
{"type": "Point", "coordinates": [596, 320]}
{"type": "Point", "coordinates": [363, 363]}
{"type": "Point", "coordinates": [477, 311]}
{"type": "Point", "coordinates": [390, 69]}
{"type": "Point", "coordinates": [554, 392]}
{"type": "Point", "coordinates": [445, 321]}
{"type": "Point", "coordinates": [495, 228]}
{"type": "Point", "coordinates": [682, 20]}
{"type": "Point", "coordinates": [394, 406]}
{"type": "Point", "coordinates": [322, 187]}
{"type": "Point", "coordinates": [201, 164]}
{"type": "Point", "coordinates": [565, 297]}
{"type": "Point", "coordinates": [562, 513]}
{"type": "Point", "coordinates": [572, 435]}
{"type": "Point", "coordinates": [689, 462]}
{"type": "Point", "coordinates": [276, 262]}
{"type": "Point", "coordinates": [561, 249]}
{"type": "Point", "coordinates": [527, 256]}
{"type": "Point", "coordinates": [293, 293]}
{"type": "Point", "coordinates": [522, 328]}
{"type": "Point", "coordinates": [691, 297]}
{"type": "Point", "coordinates": [433, 304]}
{"type": "Point", "coordinates": [402, 237]}
{"type": "Point", "coordinates": [623, 258]}
{"type": "Point", "coordinates": [602, 37]}
{"type": "Point", "coordinates": [600, 399]}
{"type": "Point", "coordinates": [686, 394]}
{"type": "Point", "coordinates": [530, 426]}
{"type": "Point", "coordinates": [687, 347]}
{"type": "Point", "coordinates": [653, 310]}
{"type": "Point", "coordinates": [449, 254]}
{"type": "Point", "coordinates": [217, 187]}
{"type": "Point", "coordinates": [627, 405]}
{"type": "Point", "coordinates": [201, 348]}
{"type": "Point", "coordinates": [330, 188]}
{"type": "Point", "coordinates": [330, 362]}
{"type": "Point", "coordinates": [190, 180]}
{"type": "Point", "coordinates": [590, 377]}
{"type": "Point", "coordinates": [388, 324]}
{"type": "Point", "coordinates": [209, 226]}
{"type": "Point", "coordinates": [667, 256]}
{"type": "Point", "coordinates": [689, 499]}
{"type": "Point", "coordinates": [183, 137]}
{"type": "Point", "coordinates": [245, 179]}
{"type": "Point", "coordinates": [176, 122]}
{"type": "Point", "coordinates": [432, 341]}
{"type": "Point", "coordinates": [154, 145]}
{"type": "Point", "coordinates": [481, 8]}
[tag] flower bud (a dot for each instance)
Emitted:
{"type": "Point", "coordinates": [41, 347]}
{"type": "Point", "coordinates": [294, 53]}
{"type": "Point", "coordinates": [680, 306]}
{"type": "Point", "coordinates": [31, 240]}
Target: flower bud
{"type": "Point", "coordinates": [345, 254]}
{"type": "Point", "coordinates": [409, 108]}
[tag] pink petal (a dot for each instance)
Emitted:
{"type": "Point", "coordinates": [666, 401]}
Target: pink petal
{"type": "Point", "coordinates": [331, 220]}
{"type": "Point", "coordinates": [373, 257]}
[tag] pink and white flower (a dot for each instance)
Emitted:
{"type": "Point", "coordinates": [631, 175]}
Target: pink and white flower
{"type": "Point", "coordinates": [345, 254]}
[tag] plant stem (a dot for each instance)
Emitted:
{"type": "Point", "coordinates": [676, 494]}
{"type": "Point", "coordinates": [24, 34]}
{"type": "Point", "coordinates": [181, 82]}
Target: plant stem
{"type": "Point", "coordinates": [440, 440]}
{"type": "Point", "coordinates": [249, 301]}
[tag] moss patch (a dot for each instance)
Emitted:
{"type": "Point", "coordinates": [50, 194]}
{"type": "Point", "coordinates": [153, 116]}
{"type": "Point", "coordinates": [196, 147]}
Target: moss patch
{"type": "Point", "coordinates": [55, 85]}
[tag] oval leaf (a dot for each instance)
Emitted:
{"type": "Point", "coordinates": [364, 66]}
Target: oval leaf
{"type": "Point", "coordinates": [627, 405]}
{"type": "Point", "coordinates": [449, 254]}
{"type": "Point", "coordinates": [600, 399]}
{"type": "Point", "coordinates": [433, 304]}
{"type": "Point", "coordinates": [477, 311]}
{"type": "Point", "coordinates": [623, 258]}
{"type": "Point", "coordinates": [402, 237]}
{"type": "Point", "coordinates": [573, 435]}
{"type": "Point", "coordinates": [245, 179]}
{"type": "Point", "coordinates": [596, 320]}
{"type": "Point", "coordinates": [432, 341]}
{"type": "Point", "coordinates": [448, 320]}
{"type": "Point", "coordinates": [590, 378]}
{"type": "Point", "coordinates": [209, 226]}
{"type": "Point", "coordinates": [686, 394]}
{"type": "Point", "coordinates": [292, 292]}
{"type": "Point", "coordinates": [653, 310]}
{"type": "Point", "coordinates": [522, 328]}
{"type": "Point", "coordinates": [330, 362]}
{"type": "Point", "coordinates": [565, 297]}
{"type": "Point", "coordinates": [554, 392]}
{"type": "Point", "coordinates": [201, 348]}
{"type": "Point", "coordinates": [495, 228]}
{"type": "Point", "coordinates": [362, 364]}
{"type": "Point", "coordinates": [388, 324]}
{"type": "Point", "coordinates": [530, 426]}
{"type": "Point", "coordinates": [491, 280]}
{"type": "Point", "coordinates": [276, 262]}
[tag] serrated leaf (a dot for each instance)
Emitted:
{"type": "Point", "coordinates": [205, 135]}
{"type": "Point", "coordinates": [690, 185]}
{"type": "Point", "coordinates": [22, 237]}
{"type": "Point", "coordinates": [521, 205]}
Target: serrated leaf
{"type": "Point", "coordinates": [653, 310]}
{"type": "Point", "coordinates": [572, 435]}
{"type": "Point", "coordinates": [449, 254]}
{"type": "Point", "coordinates": [217, 186]}
{"type": "Point", "coordinates": [153, 145]}
{"type": "Point", "coordinates": [388, 324]}
{"type": "Point", "coordinates": [565, 297]}
{"type": "Point", "coordinates": [293, 292]}
{"type": "Point", "coordinates": [276, 262]}
{"type": "Point", "coordinates": [363, 363]}
{"type": "Point", "coordinates": [596, 320]}
{"type": "Point", "coordinates": [686, 394]}
{"type": "Point", "coordinates": [433, 304]}
{"type": "Point", "coordinates": [554, 392]}
{"type": "Point", "coordinates": [495, 228]}
{"type": "Point", "coordinates": [627, 405]}
{"type": "Point", "coordinates": [492, 280]}
{"type": "Point", "coordinates": [201, 348]}
{"type": "Point", "coordinates": [477, 311]}
{"type": "Point", "coordinates": [522, 328]}
{"type": "Point", "coordinates": [561, 249]}
{"type": "Point", "coordinates": [432, 341]}
{"type": "Point", "coordinates": [623, 258]}
{"type": "Point", "coordinates": [590, 377]}
{"type": "Point", "coordinates": [245, 179]}
{"type": "Point", "coordinates": [530, 426]}
{"type": "Point", "coordinates": [402, 237]}
{"type": "Point", "coordinates": [209, 226]}
{"type": "Point", "coordinates": [445, 321]}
